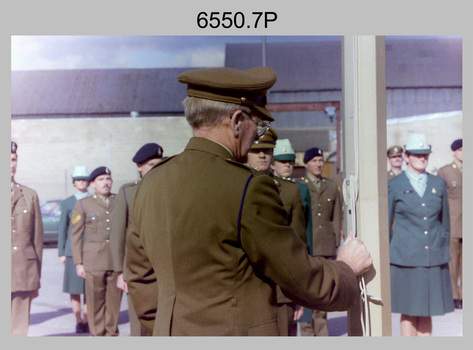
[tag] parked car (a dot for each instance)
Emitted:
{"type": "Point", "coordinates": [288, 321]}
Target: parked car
{"type": "Point", "coordinates": [51, 214]}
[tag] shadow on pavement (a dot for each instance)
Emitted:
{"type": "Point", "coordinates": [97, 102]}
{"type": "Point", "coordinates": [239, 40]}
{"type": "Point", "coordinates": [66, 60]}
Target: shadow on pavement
{"type": "Point", "coordinates": [41, 317]}
{"type": "Point", "coordinates": [337, 326]}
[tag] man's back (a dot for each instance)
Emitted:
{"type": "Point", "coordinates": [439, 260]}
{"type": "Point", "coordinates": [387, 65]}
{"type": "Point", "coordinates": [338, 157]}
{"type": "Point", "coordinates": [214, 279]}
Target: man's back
{"type": "Point", "coordinates": [212, 245]}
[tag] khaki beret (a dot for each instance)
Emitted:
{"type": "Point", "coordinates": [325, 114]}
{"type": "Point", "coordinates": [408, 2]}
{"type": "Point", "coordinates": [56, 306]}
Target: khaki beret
{"type": "Point", "coordinates": [268, 140]}
{"type": "Point", "coordinates": [244, 87]}
{"type": "Point", "coordinates": [395, 151]}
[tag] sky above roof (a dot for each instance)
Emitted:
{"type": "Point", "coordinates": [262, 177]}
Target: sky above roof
{"type": "Point", "coordinates": [45, 52]}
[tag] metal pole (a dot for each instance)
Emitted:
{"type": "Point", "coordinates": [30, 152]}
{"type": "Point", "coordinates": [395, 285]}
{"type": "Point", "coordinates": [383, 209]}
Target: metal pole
{"type": "Point", "coordinates": [364, 134]}
{"type": "Point", "coordinates": [263, 50]}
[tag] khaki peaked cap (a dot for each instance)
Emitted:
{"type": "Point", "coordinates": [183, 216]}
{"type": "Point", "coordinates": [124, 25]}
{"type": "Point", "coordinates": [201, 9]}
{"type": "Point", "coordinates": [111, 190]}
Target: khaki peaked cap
{"type": "Point", "coordinates": [268, 140]}
{"type": "Point", "coordinates": [244, 87]}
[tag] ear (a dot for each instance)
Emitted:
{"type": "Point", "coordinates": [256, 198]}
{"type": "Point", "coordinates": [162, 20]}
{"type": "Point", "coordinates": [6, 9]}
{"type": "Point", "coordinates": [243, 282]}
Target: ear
{"type": "Point", "coordinates": [236, 120]}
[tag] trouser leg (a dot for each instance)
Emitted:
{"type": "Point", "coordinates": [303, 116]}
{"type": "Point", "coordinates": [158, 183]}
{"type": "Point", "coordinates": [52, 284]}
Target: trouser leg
{"type": "Point", "coordinates": [95, 294]}
{"type": "Point", "coordinates": [113, 297]}
{"type": "Point", "coordinates": [20, 313]}
{"type": "Point", "coordinates": [455, 267]}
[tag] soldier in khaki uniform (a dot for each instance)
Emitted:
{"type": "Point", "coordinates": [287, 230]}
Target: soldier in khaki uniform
{"type": "Point", "coordinates": [453, 175]}
{"type": "Point", "coordinates": [93, 259]}
{"type": "Point", "coordinates": [145, 158]}
{"type": "Point", "coordinates": [26, 250]}
{"type": "Point", "coordinates": [395, 161]}
{"type": "Point", "coordinates": [260, 157]}
{"type": "Point", "coordinates": [326, 225]}
{"type": "Point", "coordinates": [210, 237]}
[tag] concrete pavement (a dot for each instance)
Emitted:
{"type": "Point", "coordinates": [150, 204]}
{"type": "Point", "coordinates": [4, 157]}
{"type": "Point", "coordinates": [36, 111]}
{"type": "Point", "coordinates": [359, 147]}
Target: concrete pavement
{"type": "Point", "coordinates": [51, 313]}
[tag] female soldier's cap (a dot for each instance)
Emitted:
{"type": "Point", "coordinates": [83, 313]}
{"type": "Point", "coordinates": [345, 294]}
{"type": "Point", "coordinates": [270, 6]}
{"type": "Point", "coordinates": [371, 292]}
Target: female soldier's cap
{"type": "Point", "coordinates": [244, 87]}
{"type": "Point", "coordinates": [80, 173]}
{"type": "Point", "coordinates": [284, 150]}
{"type": "Point", "coordinates": [417, 144]}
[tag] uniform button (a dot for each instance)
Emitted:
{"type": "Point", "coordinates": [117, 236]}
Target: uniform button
{"type": "Point", "coordinates": [12, 218]}
{"type": "Point", "coordinates": [328, 200]}
{"type": "Point", "coordinates": [425, 217]}
{"type": "Point", "coordinates": [108, 228]}
{"type": "Point", "coordinates": [15, 248]}
{"type": "Point", "coordinates": [319, 214]}
{"type": "Point", "coordinates": [107, 240]}
{"type": "Point", "coordinates": [108, 220]}
{"type": "Point", "coordinates": [93, 218]}
{"type": "Point", "coordinates": [25, 211]}
{"type": "Point", "coordinates": [320, 226]}
{"type": "Point", "coordinates": [319, 205]}
{"type": "Point", "coordinates": [13, 231]}
{"type": "Point", "coordinates": [425, 232]}
{"type": "Point", "coordinates": [426, 247]}
{"type": "Point", "coordinates": [107, 212]}
{"type": "Point", "coordinates": [423, 204]}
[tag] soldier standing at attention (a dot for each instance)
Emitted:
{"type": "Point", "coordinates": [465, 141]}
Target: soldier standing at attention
{"type": "Point", "coordinates": [210, 237]}
{"type": "Point", "coordinates": [326, 225]}
{"type": "Point", "coordinates": [453, 175]}
{"type": "Point", "coordinates": [145, 158]}
{"type": "Point", "coordinates": [284, 158]}
{"type": "Point", "coordinates": [93, 258]}
{"type": "Point", "coordinates": [73, 284]}
{"type": "Point", "coordinates": [26, 250]}
{"type": "Point", "coordinates": [395, 161]}
{"type": "Point", "coordinates": [260, 157]}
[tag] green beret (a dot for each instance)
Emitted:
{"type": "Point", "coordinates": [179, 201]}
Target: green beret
{"type": "Point", "coordinates": [243, 87]}
{"type": "Point", "coordinates": [268, 140]}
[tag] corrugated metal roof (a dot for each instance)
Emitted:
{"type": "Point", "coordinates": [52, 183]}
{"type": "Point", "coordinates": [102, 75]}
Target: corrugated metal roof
{"type": "Point", "coordinates": [96, 91]}
{"type": "Point", "coordinates": [413, 63]}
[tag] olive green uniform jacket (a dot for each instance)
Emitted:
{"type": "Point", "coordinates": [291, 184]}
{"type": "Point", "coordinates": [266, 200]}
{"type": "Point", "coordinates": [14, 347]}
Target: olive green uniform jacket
{"type": "Point", "coordinates": [454, 182]}
{"type": "Point", "coordinates": [326, 217]}
{"type": "Point", "coordinates": [121, 224]}
{"type": "Point", "coordinates": [26, 239]}
{"type": "Point", "coordinates": [292, 202]}
{"type": "Point", "coordinates": [211, 240]}
{"type": "Point", "coordinates": [91, 217]}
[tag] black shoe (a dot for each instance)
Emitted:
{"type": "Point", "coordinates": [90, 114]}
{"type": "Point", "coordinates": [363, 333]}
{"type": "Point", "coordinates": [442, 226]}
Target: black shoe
{"type": "Point", "coordinates": [458, 303]}
{"type": "Point", "coordinates": [80, 328]}
{"type": "Point", "coordinates": [86, 327]}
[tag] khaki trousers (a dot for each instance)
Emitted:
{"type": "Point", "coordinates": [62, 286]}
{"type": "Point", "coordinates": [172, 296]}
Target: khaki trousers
{"type": "Point", "coordinates": [455, 267]}
{"type": "Point", "coordinates": [20, 313]}
{"type": "Point", "coordinates": [103, 302]}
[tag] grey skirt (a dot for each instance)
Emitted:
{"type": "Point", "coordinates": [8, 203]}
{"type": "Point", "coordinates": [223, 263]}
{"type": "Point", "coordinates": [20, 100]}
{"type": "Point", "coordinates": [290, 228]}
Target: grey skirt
{"type": "Point", "coordinates": [73, 284]}
{"type": "Point", "coordinates": [421, 291]}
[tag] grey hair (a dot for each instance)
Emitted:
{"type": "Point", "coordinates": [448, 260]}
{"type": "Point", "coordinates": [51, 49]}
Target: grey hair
{"type": "Point", "coordinates": [202, 112]}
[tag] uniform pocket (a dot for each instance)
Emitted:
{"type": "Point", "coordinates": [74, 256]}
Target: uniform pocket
{"type": "Point", "coordinates": [267, 328]}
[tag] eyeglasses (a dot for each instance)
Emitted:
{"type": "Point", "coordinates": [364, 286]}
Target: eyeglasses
{"type": "Point", "coordinates": [262, 126]}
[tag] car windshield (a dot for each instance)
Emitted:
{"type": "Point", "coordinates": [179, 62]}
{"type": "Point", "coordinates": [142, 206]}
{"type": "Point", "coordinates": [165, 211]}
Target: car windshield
{"type": "Point", "coordinates": [51, 208]}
